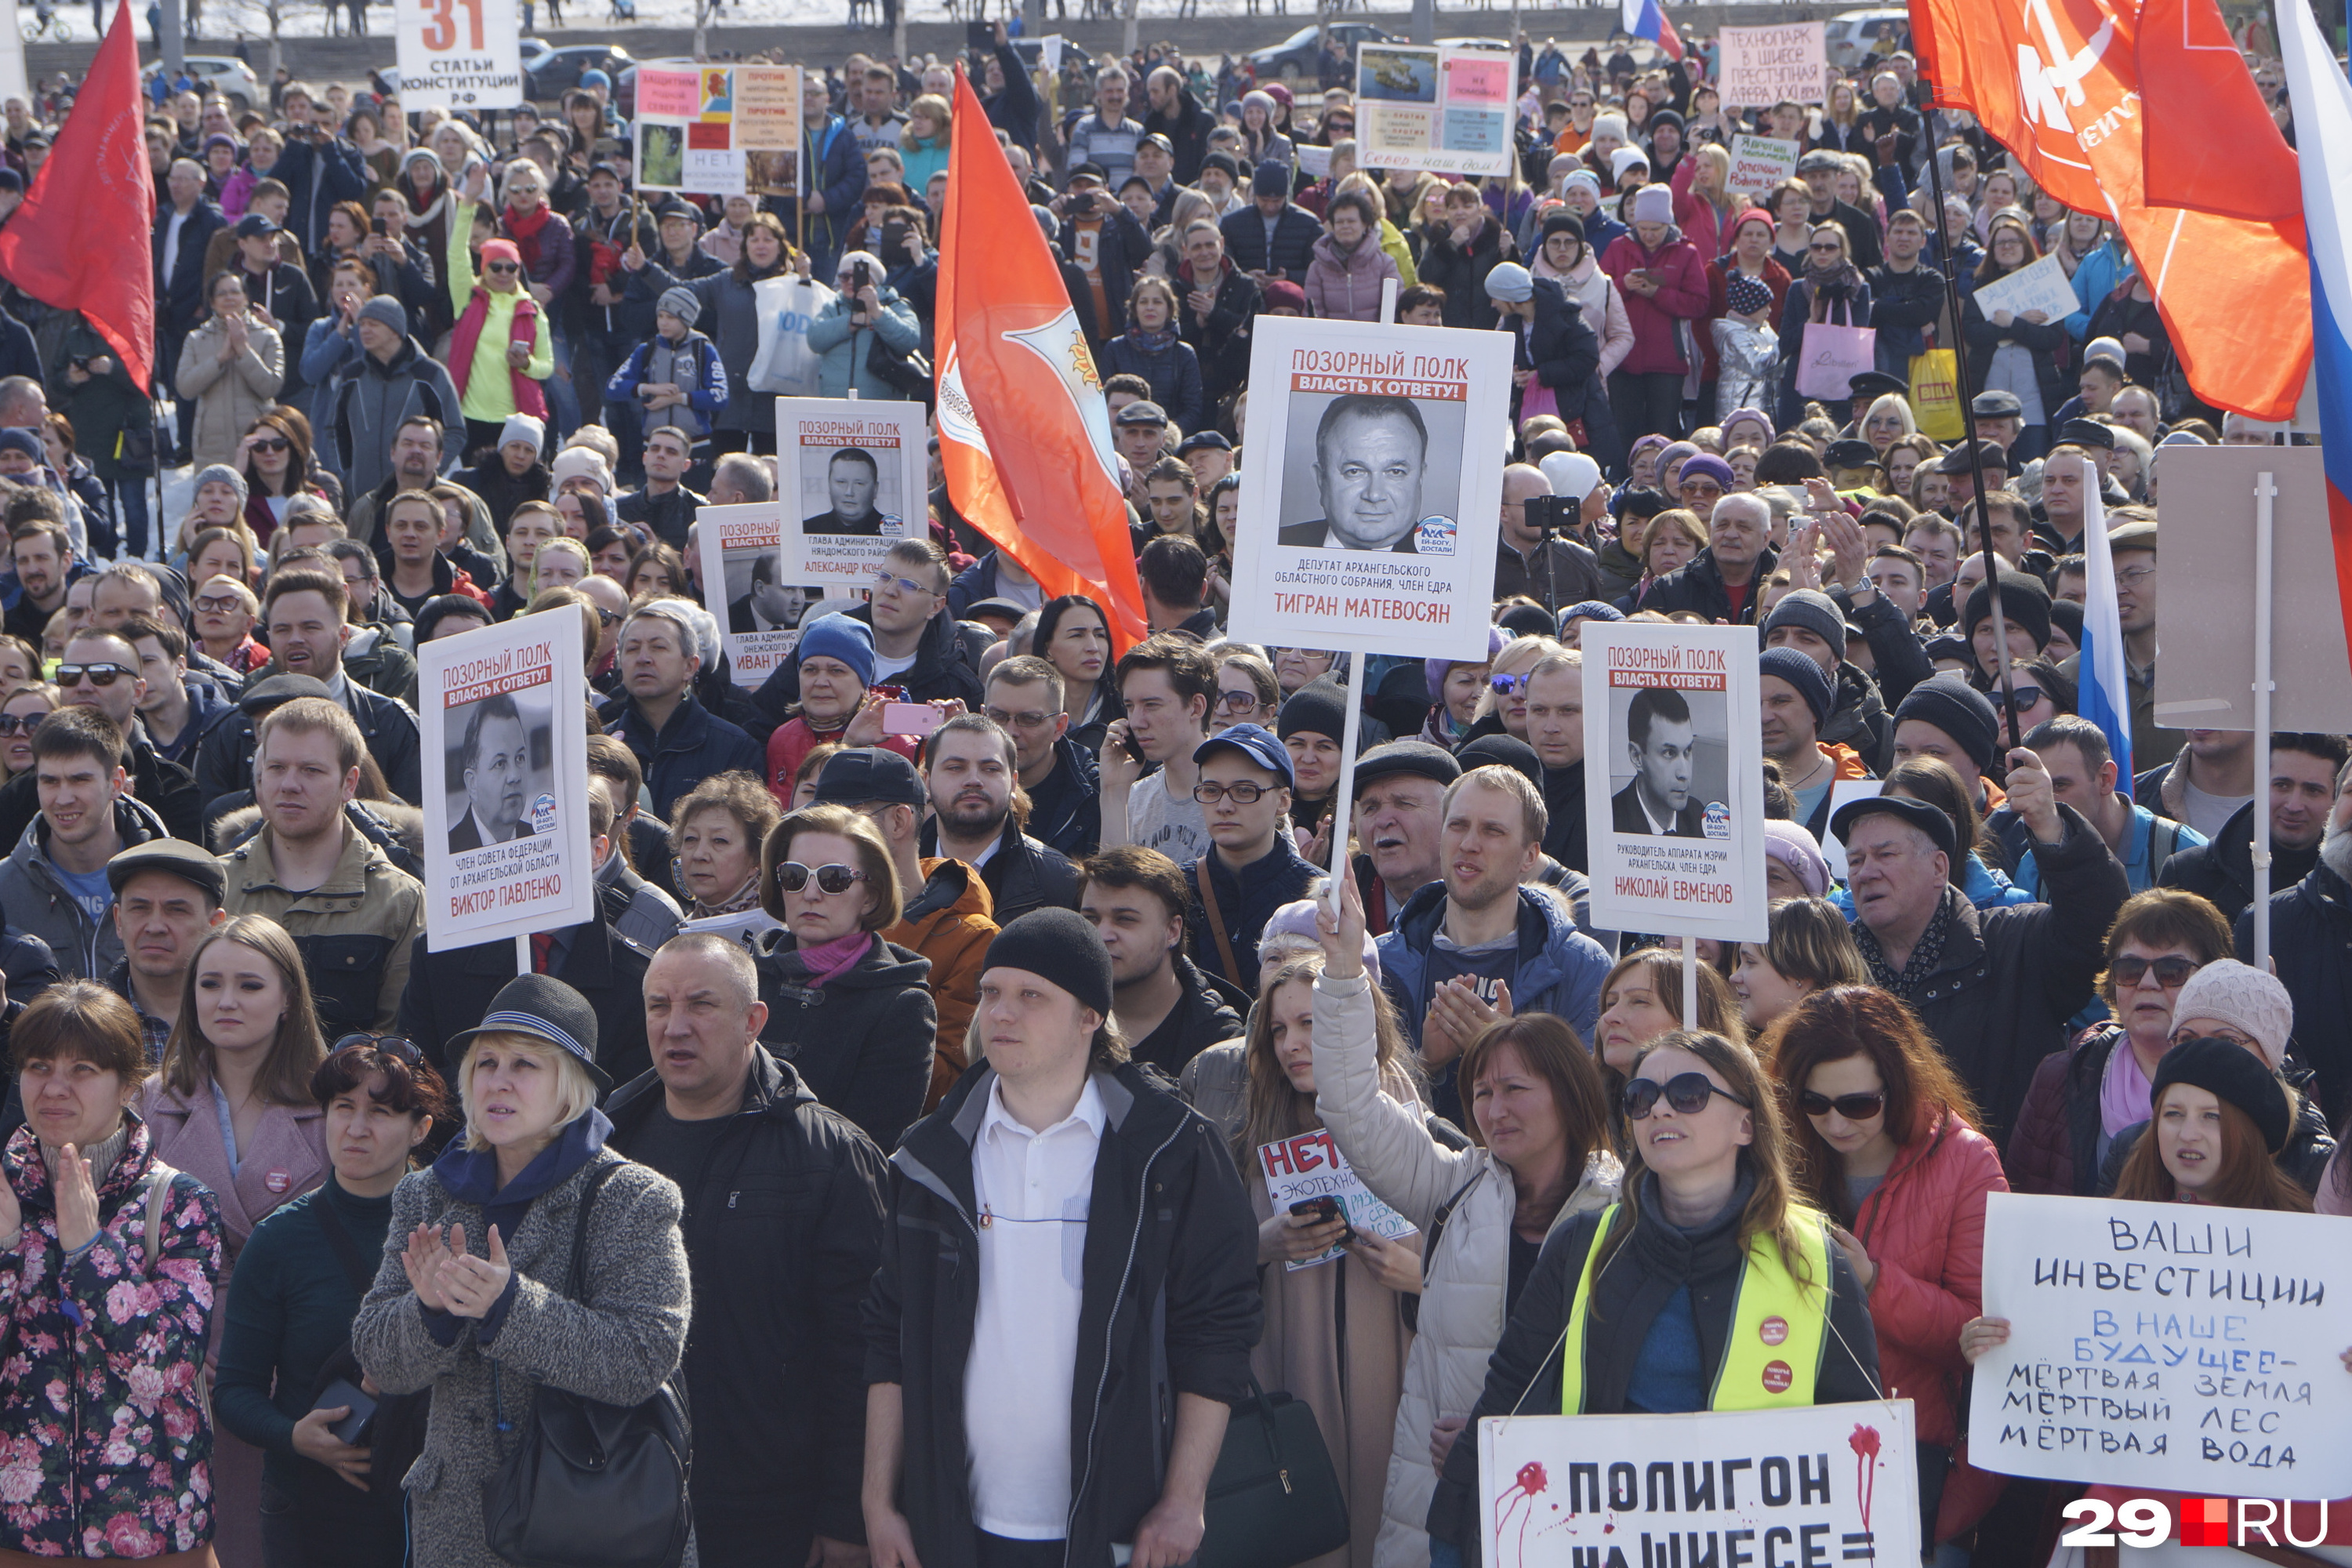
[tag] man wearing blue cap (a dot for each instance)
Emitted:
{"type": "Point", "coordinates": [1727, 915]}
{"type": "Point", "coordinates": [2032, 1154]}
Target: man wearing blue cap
{"type": "Point", "coordinates": [1253, 867]}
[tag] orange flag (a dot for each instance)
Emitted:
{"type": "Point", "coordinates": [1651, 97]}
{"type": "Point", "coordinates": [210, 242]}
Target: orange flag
{"type": "Point", "coordinates": [1025, 434]}
{"type": "Point", "coordinates": [2228, 156]}
{"type": "Point", "coordinates": [2057, 83]}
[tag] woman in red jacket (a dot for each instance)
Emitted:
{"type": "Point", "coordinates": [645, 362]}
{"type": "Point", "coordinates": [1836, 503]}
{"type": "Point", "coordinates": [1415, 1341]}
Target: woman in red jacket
{"type": "Point", "coordinates": [1882, 1131]}
{"type": "Point", "coordinates": [1664, 281]}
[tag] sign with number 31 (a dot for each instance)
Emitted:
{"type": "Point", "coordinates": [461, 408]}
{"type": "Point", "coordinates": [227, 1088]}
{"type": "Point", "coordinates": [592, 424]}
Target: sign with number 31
{"type": "Point", "coordinates": [459, 54]}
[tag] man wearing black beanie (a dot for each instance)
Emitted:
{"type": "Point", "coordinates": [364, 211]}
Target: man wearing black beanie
{"type": "Point", "coordinates": [974, 1359]}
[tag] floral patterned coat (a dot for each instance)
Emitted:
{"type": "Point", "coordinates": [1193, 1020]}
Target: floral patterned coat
{"type": "Point", "coordinates": [105, 1443]}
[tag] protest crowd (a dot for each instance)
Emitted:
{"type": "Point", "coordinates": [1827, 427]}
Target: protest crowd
{"type": "Point", "coordinates": [310, 1227]}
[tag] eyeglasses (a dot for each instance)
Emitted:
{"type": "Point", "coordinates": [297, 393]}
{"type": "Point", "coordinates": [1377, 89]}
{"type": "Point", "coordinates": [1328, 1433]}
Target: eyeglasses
{"type": "Point", "coordinates": [399, 1046]}
{"type": "Point", "coordinates": [2022, 700]}
{"type": "Point", "coordinates": [270, 443]}
{"type": "Point", "coordinates": [2129, 969]}
{"type": "Point", "coordinates": [1685, 1092]}
{"type": "Point", "coordinates": [2134, 576]}
{"type": "Point", "coordinates": [607, 617]}
{"type": "Point", "coordinates": [20, 723]}
{"type": "Point", "coordinates": [1853, 1107]}
{"type": "Point", "coordinates": [1007, 720]}
{"type": "Point", "coordinates": [99, 675]}
{"type": "Point", "coordinates": [792, 877]}
{"type": "Point", "coordinates": [503, 267]}
{"type": "Point", "coordinates": [1244, 793]}
{"type": "Point", "coordinates": [883, 580]}
{"type": "Point", "coordinates": [1508, 685]}
{"type": "Point", "coordinates": [1235, 701]}
{"type": "Point", "coordinates": [1829, 247]}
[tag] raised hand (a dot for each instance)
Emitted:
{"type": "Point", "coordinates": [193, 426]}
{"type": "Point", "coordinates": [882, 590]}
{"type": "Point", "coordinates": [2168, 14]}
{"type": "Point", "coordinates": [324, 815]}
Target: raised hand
{"type": "Point", "coordinates": [1343, 935]}
{"type": "Point", "coordinates": [472, 1284]}
{"type": "Point", "coordinates": [77, 1193]}
{"type": "Point", "coordinates": [422, 1262]}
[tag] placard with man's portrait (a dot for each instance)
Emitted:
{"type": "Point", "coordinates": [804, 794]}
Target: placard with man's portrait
{"type": "Point", "coordinates": [852, 480]}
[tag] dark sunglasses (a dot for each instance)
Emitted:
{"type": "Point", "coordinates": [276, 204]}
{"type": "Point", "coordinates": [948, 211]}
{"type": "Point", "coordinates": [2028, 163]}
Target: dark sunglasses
{"type": "Point", "coordinates": [2021, 698]}
{"type": "Point", "coordinates": [792, 877]}
{"type": "Point", "coordinates": [270, 443]}
{"type": "Point", "coordinates": [1508, 685]}
{"type": "Point", "coordinates": [2130, 969]}
{"type": "Point", "coordinates": [399, 1046]}
{"type": "Point", "coordinates": [1686, 1092]}
{"type": "Point", "coordinates": [502, 266]}
{"type": "Point", "coordinates": [1853, 1107]}
{"type": "Point", "coordinates": [20, 723]}
{"type": "Point", "coordinates": [101, 675]}
{"type": "Point", "coordinates": [1829, 245]}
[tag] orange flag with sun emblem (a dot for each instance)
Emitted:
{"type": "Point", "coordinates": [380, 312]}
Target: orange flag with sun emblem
{"type": "Point", "coordinates": [1024, 434]}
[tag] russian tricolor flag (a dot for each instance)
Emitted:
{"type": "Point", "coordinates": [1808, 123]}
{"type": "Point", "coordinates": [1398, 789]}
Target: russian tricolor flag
{"type": "Point", "coordinates": [2323, 138]}
{"type": "Point", "coordinates": [1647, 19]}
{"type": "Point", "coordinates": [2105, 695]}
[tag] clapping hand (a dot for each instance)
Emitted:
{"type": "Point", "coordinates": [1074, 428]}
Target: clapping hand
{"type": "Point", "coordinates": [76, 1196]}
{"type": "Point", "coordinates": [472, 1284]}
{"type": "Point", "coordinates": [422, 1262]}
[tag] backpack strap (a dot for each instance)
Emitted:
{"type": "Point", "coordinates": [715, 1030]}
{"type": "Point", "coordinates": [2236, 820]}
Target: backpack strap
{"type": "Point", "coordinates": [1217, 922]}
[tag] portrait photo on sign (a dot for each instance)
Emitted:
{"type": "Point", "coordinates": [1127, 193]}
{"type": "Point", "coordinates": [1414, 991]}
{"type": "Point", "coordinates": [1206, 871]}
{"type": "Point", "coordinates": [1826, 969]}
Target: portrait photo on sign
{"type": "Point", "coordinates": [499, 770]}
{"type": "Point", "coordinates": [1381, 473]}
{"type": "Point", "coordinates": [758, 600]}
{"type": "Point", "coordinates": [1671, 764]}
{"type": "Point", "coordinates": [850, 489]}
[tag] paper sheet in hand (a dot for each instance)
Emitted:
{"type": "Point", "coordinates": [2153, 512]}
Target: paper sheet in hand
{"type": "Point", "coordinates": [2041, 287]}
{"type": "Point", "coordinates": [1311, 1166]}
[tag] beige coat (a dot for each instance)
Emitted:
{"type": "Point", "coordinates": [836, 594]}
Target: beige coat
{"type": "Point", "coordinates": [229, 395]}
{"type": "Point", "coordinates": [1464, 1281]}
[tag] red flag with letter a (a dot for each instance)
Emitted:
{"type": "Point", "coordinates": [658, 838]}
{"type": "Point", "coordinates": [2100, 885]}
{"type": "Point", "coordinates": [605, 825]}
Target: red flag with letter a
{"type": "Point", "coordinates": [2057, 82]}
{"type": "Point", "coordinates": [1025, 434]}
{"type": "Point", "coordinates": [79, 240]}
{"type": "Point", "coordinates": [2225, 155]}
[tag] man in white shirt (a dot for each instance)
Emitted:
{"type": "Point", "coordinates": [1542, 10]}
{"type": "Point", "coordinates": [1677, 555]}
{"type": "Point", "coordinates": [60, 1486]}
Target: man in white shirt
{"type": "Point", "coordinates": [1045, 1193]}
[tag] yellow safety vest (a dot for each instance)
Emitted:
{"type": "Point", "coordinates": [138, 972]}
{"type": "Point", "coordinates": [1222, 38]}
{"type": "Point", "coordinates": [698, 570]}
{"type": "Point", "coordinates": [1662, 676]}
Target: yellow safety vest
{"type": "Point", "coordinates": [1779, 1325]}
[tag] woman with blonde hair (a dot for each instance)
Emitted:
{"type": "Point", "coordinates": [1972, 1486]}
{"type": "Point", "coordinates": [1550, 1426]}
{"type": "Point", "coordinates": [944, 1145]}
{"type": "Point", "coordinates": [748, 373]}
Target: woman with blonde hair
{"type": "Point", "coordinates": [1503, 710]}
{"type": "Point", "coordinates": [1808, 948]}
{"type": "Point", "coordinates": [481, 1250]}
{"type": "Point", "coordinates": [559, 563]}
{"type": "Point", "coordinates": [1660, 1303]}
{"type": "Point", "coordinates": [232, 1106]}
{"type": "Point", "coordinates": [1888, 420]}
{"type": "Point", "coordinates": [923, 145]}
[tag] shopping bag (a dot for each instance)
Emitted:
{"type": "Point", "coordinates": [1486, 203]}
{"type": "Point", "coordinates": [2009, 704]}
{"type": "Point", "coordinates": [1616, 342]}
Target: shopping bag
{"type": "Point", "coordinates": [785, 362]}
{"type": "Point", "coordinates": [1831, 357]}
{"type": "Point", "coordinates": [1535, 399]}
{"type": "Point", "coordinates": [1935, 395]}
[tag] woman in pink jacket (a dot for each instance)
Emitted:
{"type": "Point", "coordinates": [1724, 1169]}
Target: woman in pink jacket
{"type": "Point", "coordinates": [1665, 282]}
{"type": "Point", "coordinates": [1882, 1129]}
{"type": "Point", "coordinates": [1343, 280]}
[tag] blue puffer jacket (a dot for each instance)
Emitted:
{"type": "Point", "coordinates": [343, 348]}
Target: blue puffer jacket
{"type": "Point", "coordinates": [1560, 968]}
{"type": "Point", "coordinates": [842, 346]}
{"type": "Point", "coordinates": [1985, 887]}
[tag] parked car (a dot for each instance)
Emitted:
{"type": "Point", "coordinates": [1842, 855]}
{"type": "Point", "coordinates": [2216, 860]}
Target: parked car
{"type": "Point", "coordinates": [1847, 36]}
{"type": "Point", "coordinates": [1296, 56]}
{"type": "Point", "coordinates": [224, 74]}
{"type": "Point", "coordinates": [559, 70]}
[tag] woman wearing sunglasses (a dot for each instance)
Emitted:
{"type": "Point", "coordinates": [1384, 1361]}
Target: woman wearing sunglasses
{"type": "Point", "coordinates": [1659, 1303]}
{"type": "Point", "coordinates": [1538, 1158]}
{"type": "Point", "coordinates": [1455, 690]}
{"type": "Point", "coordinates": [1503, 706]}
{"type": "Point", "coordinates": [2081, 1099]}
{"type": "Point", "coordinates": [276, 458]}
{"type": "Point", "coordinates": [299, 1283]}
{"type": "Point", "coordinates": [504, 347]}
{"type": "Point", "coordinates": [1810, 948]}
{"type": "Point", "coordinates": [852, 1012]}
{"type": "Point", "coordinates": [20, 715]}
{"type": "Point", "coordinates": [1884, 1142]}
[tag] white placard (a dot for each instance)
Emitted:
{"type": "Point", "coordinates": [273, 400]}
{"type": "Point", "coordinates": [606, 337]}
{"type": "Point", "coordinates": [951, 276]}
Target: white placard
{"type": "Point", "coordinates": [1762, 65]}
{"type": "Point", "coordinates": [1314, 162]}
{"type": "Point", "coordinates": [851, 479]}
{"type": "Point", "coordinates": [757, 604]}
{"type": "Point", "coordinates": [2170, 1346]}
{"type": "Point", "coordinates": [1370, 502]}
{"type": "Point", "coordinates": [1816, 1484]}
{"type": "Point", "coordinates": [1760, 164]}
{"type": "Point", "coordinates": [506, 834]}
{"type": "Point", "coordinates": [1443, 107]}
{"type": "Point", "coordinates": [2041, 287]}
{"type": "Point", "coordinates": [1674, 797]}
{"type": "Point", "coordinates": [458, 54]}
{"type": "Point", "coordinates": [1311, 1166]}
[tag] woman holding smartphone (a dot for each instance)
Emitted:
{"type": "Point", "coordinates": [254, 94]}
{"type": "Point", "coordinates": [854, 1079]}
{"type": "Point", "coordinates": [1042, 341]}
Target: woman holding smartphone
{"type": "Point", "coordinates": [303, 1276]}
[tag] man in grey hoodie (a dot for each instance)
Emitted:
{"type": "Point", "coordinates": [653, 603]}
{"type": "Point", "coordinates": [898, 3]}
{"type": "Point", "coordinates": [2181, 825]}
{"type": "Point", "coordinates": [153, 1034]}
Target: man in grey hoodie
{"type": "Point", "coordinates": [393, 379]}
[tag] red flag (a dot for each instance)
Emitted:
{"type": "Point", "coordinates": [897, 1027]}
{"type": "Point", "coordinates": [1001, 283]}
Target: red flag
{"type": "Point", "coordinates": [2057, 83]}
{"type": "Point", "coordinates": [1025, 434]}
{"type": "Point", "coordinates": [79, 240]}
{"type": "Point", "coordinates": [2227, 156]}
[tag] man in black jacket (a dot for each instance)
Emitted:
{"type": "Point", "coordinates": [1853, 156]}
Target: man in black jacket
{"type": "Point", "coordinates": [783, 1225]}
{"type": "Point", "coordinates": [2304, 770]}
{"type": "Point", "coordinates": [184, 226]}
{"type": "Point", "coordinates": [1001, 1432]}
{"type": "Point", "coordinates": [1905, 293]}
{"type": "Point", "coordinates": [915, 640]}
{"type": "Point", "coordinates": [2310, 928]}
{"type": "Point", "coordinates": [1061, 777]}
{"type": "Point", "coordinates": [970, 772]}
{"type": "Point", "coordinates": [1724, 581]}
{"type": "Point", "coordinates": [1819, 171]}
{"type": "Point", "coordinates": [1273, 236]}
{"type": "Point", "coordinates": [1136, 900]}
{"type": "Point", "coordinates": [1177, 116]}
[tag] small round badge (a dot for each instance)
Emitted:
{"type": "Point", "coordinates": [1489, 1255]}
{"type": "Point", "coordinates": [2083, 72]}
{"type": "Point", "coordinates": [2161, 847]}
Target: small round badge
{"type": "Point", "coordinates": [1773, 1331]}
{"type": "Point", "coordinates": [279, 1181]}
{"type": "Point", "coordinates": [1778, 1378]}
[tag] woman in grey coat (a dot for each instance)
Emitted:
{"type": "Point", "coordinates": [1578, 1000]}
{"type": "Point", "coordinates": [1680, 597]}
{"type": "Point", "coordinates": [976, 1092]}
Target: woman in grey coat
{"type": "Point", "coordinates": [479, 1249]}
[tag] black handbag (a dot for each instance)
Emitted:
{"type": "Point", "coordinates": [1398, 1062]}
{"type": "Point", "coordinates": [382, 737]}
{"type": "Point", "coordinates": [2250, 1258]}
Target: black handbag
{"type": "Point", "coordinates": [907, 373]}
{"type": "Point", "coordinates": [592, 1485]}
{"type": "Point", "coordinates": [1273, 1496]}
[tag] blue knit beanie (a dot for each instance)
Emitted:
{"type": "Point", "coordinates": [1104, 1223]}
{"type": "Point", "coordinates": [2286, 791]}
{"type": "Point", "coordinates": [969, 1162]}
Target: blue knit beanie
{"type": "Point", "coordinates": [839, 636]}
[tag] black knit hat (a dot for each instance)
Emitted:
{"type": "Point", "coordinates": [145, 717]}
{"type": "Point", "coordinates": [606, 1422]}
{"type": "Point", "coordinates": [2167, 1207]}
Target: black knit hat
{"type": "Point", "coordinates": [1318, 708]}
{"type": "Point", "coordinates": [545, 1008]}
{"type": "Point", "coordinates": [1960, 710]}
{"type": "Point", "coordinates": [2231, 1072]}
{"type": "Point", "coordinates": [2024, 601]}
{"type": "Point", "coordinates": [1059, 945]}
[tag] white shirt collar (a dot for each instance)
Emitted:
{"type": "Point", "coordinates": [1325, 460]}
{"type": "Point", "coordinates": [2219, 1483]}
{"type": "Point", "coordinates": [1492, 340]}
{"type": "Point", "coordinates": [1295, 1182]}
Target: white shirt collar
{"type": "Point", "coordinates": [1089, 1110]}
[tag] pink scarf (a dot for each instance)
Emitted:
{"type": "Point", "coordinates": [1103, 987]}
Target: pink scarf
{"type": "Point", "coordinates": [2124, 1091]}
{"type": "Point", "coordinates": [832, 959]}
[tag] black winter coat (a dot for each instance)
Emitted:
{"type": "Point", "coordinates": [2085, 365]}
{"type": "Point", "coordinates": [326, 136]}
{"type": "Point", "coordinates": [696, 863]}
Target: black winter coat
{"type": "Point", "coordinates": [1699, 586]}
{"type": "Point", "coordinates": [784, 1229]}
{"type": "Point", "coordinates": [2048, 342]}
{"type": "Point", "coordinates": [2222, 872]}
{"type": "Point", "coordinates": [1170, 1306]}
{"type": "Point", "coordinates": [862, 1041]}
{"type": "Point", "coordinates": [1222, 341]}
{"type": "Point", "coordinates": [1460, 270]}
{"type": "Point", "coordinates": [2311, 948]}
{"type": "Point", "coordinates": [2309, 1144]}
{"type": "Point", "coordinates": [450, 991]}
{"type": "Point", "coordinates": [1647, 1267]}
{"type": "Point", "coordinates": [1295, 234]}
{"type": "Point", "coordinates": [695, 744]}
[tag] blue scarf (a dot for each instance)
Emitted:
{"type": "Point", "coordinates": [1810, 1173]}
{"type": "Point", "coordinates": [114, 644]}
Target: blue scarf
{"type": "Point", "coordinates": [471, 1176]}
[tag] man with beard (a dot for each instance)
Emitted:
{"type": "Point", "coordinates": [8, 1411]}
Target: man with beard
{"type": "Point", "coordinates": [1172, 1011]}
{"type": "Point", "coordinates": [42, 553]}
{"type": "Point", "coordinates": [971, 772]}
{"type": "Point", "coordinates": [498, 769]}
{"type": "Point", "coordinates": [851, 478]}
{"type": "Point", "coordinates": [2311, 928]}
{"type": "Point", "coordinates": [1508, 948]}
{"type": "Point", "coordinates": [1399, 790]}
{"type": "Point", "coordinates": [2303, 788]}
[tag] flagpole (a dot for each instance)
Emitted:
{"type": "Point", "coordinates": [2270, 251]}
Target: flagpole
{"type": "Point", "coordinates": [1969, 435]}
{"type": "Point", "coordinates": [2265, 495]}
